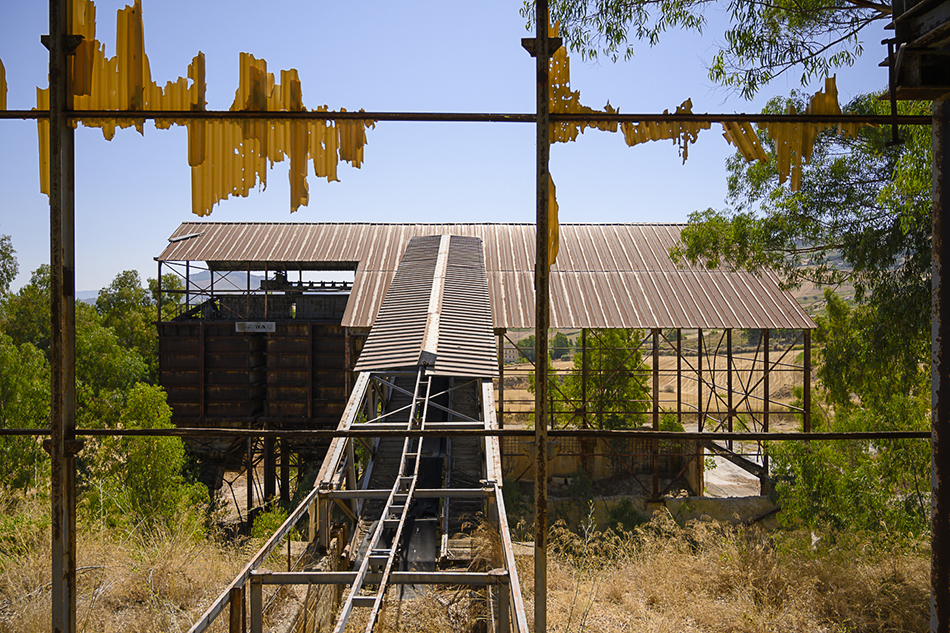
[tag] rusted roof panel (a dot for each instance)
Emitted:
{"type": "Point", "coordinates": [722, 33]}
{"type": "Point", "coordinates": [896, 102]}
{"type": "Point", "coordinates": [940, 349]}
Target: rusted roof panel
{"type": "Point", "coordinates": [436, 312]}
{"type": "Point", "coordinates": [606, 275]}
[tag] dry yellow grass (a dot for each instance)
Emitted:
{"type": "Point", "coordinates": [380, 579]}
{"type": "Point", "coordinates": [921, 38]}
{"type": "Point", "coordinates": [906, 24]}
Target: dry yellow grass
{"type": "Point", "coordinates": [702, 577]}
{"type": "Point", "coordinates": [125, 582]}
{"type": "Point", "coordinates": [714, 577]}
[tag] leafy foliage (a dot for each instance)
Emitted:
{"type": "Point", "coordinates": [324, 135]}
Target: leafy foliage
{"type": "Point", "coordinates": [140, 480]}
{"type": "Point", "coordinates": [560, 346]}
{"type": "Point", "coordinates": [24, 403]}
{"type": "Point", "coordinates": [526, 347]}
{"type": "Point", "coordinates": [862, 216]}
{"type": "Point", "coordinates": [8, 264]}
{"type": "Point", "coordinates": [128, 309]}
{"type": "Point", "coordinates": [763, 41]}
{"type": "Point", "coordinates": [616, 394]}
{"type": "Point", "coordinates": [25, 316]}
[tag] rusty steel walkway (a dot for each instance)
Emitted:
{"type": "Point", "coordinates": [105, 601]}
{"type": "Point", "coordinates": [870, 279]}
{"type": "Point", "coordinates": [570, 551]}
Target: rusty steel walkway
{"type": "Point", "coordinates": [395, 506]}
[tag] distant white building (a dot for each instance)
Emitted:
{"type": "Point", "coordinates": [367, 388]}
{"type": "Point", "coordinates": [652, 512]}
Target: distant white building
{"type": "Point", "coordinates": [511, 353]}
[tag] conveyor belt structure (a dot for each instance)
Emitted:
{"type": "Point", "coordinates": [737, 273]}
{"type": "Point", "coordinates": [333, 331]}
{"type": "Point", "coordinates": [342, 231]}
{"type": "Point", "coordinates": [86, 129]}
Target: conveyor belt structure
{"type": "Point", "coordinates": [412, 506]}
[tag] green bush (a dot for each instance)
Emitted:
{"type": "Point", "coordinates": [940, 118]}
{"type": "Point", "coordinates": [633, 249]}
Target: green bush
{"type": "Point", "coordinates": [137, 481]}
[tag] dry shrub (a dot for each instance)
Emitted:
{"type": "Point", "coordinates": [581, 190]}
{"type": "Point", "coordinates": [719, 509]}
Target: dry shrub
{"type": "Point", "coordinates": [708, 576]}
{"type": "Point", "coordinates": [160, 581]}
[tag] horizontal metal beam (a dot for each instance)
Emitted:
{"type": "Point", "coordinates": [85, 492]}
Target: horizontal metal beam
{"type": "Point", "coordinates": [601, 433]}
{"type": "Point", "coordinates": [430, 426]}
{"type": "Point", "coordinates": [427, 493]}
{"type": "Point", "coordinates": [469, 117]}
{"type": "Point", "coordinates": [495, 577]}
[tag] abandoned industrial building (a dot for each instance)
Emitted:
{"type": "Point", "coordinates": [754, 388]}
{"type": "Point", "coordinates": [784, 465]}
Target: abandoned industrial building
{"type": "Point", "coordinates": [415, 341]}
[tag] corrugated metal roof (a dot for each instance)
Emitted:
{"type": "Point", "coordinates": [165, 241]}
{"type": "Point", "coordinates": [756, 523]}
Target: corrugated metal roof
{"type": "Point", "coordinates": [606, 276]}
{"type": "Point", "coordinates": [436, 312]}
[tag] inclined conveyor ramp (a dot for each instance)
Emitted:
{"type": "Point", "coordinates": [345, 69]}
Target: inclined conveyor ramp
{"type": "Point", "coordinates": [422, 407]}
{"type": "Point", "coordinates": [426, 366]}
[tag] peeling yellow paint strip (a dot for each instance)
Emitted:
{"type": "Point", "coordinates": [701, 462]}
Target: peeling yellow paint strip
{"type": "Point", "coordinates": [744, 138]}
{"type": "Point", "coordinates": [563, 100]}
{"type": "Point", "coordinates": [227, 158]}
{"type": "Point", "coordinates": [681, 133]}
{"type": "Point", "coordinates": [554, 234]}
{"type": "Point", "coordinates": [3, 87]}
{"type": "Point", "coordinates": [794, 141]}
{"type": "Point", "coordinates": [42, 129]}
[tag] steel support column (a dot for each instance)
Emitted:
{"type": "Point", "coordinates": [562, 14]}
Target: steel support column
{"type": "Point", "coordinates": [699, 381]}
{"type": "Point", "coordinates": [806, 385]}
{"type": "Point", "coordinates": [542, 301]}
{"type": "Point", "coordinates": [940, 374]}
{"type": "Point", "coordinates": [730, 413]}
{"type": "Point", "coordinates": [63, 445]}
{"type": "Point", "coordinates": [655, 444]}
{"type": "Point", "coordinates": [501, 379]}
{"type": "Point", "coordinates": [679, 376]}
{"type": "Point", "coordinates": [766, 487]}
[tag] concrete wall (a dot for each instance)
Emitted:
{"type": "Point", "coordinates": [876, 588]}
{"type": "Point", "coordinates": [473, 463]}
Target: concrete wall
{"type": "Point", "coordinates": [601, 459]}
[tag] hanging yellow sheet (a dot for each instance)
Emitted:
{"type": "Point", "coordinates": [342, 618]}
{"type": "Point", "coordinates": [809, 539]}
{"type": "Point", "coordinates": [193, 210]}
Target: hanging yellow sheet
{"type": "Point", "coordinates": [794, 141]}
{"type": "Point", "coordinates": [226, 157]}
{"type": "Point", "coordinates": [554, 233]}
{"type": "Point", "coordinates": [42, 129]}
{"type": "Point", "coordinates": [744, 138]}
{"type": "Point", "coordinates": [3, 87]}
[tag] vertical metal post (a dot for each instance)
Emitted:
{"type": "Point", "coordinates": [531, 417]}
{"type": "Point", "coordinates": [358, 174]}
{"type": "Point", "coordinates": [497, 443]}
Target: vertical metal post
{"type": "Point", "coordinates": [158, 300]}
{"type": "Point", "coordinates": [501, 379]}
{"type": "Point", "coordinates": [187, 285]}
{"type": "Point", "coordinates": [504, 609]}
{"type": "Point", "coordinates": [284, 470]}
{"type": "Point", "coordinates": [584, 361]}
{"type": "Point", "coordinates": [765, 488]}
{"type": "Point", "coordinates": [236, 613]}
{"type": "Point", "coordinates": [940, 374]}
{"type": "Point", "coordinates": [730, 413]}
{"type": "Point", "coordinates": [699, 379]}
{"type": "Point", "coordinates": [542, 301]}
{"type": "Point", "coordinates": [679, 376]}
{"type": "Point", "coordinates": [270, 469]}
{"type": "Point", "coordinates": [806, 384]}
{"type": "Point", "coordinates": [63, 445]}
{"type": "Point", "coordinates": [257, 605]}
{"type": "Point", "coordinates": [655, 444]}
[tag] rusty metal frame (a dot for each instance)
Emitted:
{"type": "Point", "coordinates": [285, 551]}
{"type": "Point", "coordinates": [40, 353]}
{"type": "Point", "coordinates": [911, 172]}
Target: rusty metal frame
{"type": "Point", "coordinates": [63, 445]}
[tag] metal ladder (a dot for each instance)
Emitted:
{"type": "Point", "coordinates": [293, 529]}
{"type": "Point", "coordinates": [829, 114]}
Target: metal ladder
{"type": "Point", "coordinates": [393, 516]}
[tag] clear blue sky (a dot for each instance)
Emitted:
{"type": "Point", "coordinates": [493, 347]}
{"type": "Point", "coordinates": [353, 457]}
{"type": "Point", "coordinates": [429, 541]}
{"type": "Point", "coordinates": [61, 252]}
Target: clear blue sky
{"type": "Point", "coordinates": [131, 193]}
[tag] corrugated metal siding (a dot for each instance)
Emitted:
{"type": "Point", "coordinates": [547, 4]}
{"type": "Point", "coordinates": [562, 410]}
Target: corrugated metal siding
{"type": "Point", "coordinates": [606, 276]}
{"type": "Point", "coordinates": [466, 345]}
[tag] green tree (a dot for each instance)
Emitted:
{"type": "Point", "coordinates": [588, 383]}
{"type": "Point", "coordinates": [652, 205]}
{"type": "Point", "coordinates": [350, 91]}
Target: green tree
{"type": "Point", "coordinates": [25, 315]}
{"type": "Point", "coordinates": [617, 390]}
{"type": "Point", "coordinates": [141, 480]}
{"type": "Point", "coordinates": [526, 347]}
{"type": "Point", "coordinates": [172, 297]}
{"type": "Point", "coordinates": [24, 403]}
{"type": "Point", "coordinates": [127, 308]}
{"type": "Point", "coordinates": [763, 40]}
{"type": "Point", "coordinates": [8, 264]}
{"type": "Point", "coordinates": [560, 346]}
